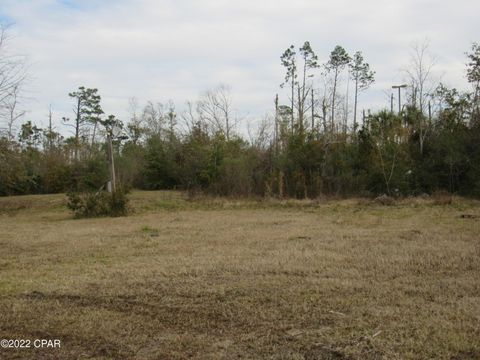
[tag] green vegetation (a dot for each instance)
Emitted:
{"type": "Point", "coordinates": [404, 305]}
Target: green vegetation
{"type": "Point", "coordinates": [310, 152]}
{"type": "Point", "coordinates": [102, 203]}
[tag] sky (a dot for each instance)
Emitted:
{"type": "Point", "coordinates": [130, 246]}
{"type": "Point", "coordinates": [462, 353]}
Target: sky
{"type": "Point", "coordinates": [162, 50]}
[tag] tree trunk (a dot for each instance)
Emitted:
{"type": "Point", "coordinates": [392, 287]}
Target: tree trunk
{"type": "Point", "coordinates": [313, 112]}
{"type": "Point", "coordinates": [324, 116]}
{"type": "Point", "coordinates": [333, 100]}
{"type": "Point", "coordinates": [300, 111]}
{"type": "Point", "coordinates": [355, 108]}
{"type": "Point", "coordinates": [276, 126]}
{"type": "Point", "coordinates": [293, 99]}
{"type": "Point", "coordinates": [50, 131]}
{"type": "Point", "coordinates": [94, 131]}
{"type": "Point", "coordinates": [77, 130]}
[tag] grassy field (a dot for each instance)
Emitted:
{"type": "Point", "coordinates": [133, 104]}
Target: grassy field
{"type": "Point", "coordinates": [228, 279]}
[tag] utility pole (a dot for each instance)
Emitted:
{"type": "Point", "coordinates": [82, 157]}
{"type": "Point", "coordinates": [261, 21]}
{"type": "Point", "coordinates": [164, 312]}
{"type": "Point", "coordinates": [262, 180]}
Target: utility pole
{"type": "Point", "coordinates": [276, 124]}
{"type": "Point", "coordinates": [399, 87]}
{"type": "Point", "coordinates": [50, 130]}
{"type": "Point", "coordinates": [111, 165]}
{"type": "Point", "coordinates": [429, 111]}
{"type": "Point", "coordinates": [391, 103]}
{"type": "Point", "coordinates": [313, 111]}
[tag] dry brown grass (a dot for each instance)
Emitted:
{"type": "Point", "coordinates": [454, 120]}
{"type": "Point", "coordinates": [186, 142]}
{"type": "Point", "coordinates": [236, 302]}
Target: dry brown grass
{"type": "Point", "coordinates": [225, 279]}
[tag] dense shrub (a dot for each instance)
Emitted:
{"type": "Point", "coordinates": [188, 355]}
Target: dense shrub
{"type": "Point", "coordinates": [98, 204]}
{"type": "Point", "coordinates": [386, 155]}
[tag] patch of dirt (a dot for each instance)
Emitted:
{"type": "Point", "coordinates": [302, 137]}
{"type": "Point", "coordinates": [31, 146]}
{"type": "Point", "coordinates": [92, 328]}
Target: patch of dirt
{"type": "Point", "coordinates": [466, 355]}
{"type": "Point", "coordinates": [323, 352]}
{"type": "Point", "coordinates": [468, 216]}
{"type": "Point", "coordinates": [120, 303]}
{"type": "Point", "coordinates": [196, 316]}
{"type": "Point", "coordinates": [410, 234]}
{"type": "Point", "coordinates": [300, 238]}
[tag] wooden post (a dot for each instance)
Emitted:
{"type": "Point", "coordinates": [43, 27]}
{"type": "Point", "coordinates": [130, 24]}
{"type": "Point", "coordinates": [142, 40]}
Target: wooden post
{"type": "Point", "coordinates": [111, 165]}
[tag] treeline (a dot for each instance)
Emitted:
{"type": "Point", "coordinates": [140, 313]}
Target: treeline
{"type": "Point", "coordinates": [310, 147]}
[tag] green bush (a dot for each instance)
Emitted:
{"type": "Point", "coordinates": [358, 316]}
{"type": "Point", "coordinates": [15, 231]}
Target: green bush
{"type": "Point", "coordinates": [98, 204]}
{"type": "Point", "coordinates": [119, 203]}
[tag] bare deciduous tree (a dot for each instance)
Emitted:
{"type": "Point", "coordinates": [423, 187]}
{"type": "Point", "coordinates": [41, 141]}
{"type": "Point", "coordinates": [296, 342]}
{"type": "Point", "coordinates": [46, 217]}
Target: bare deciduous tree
{"type": "Point", "coordinates": [135, 128]}
{"type": "Point", "coordinates": [215, 109]}
{"type": "Point", "coordinates": [419, 74]}
{"type": "Point", "coordinates": [188, 118]}
{"type": "Point", "coordinates": [12, 75]}
{"type": "Point", "coordinates": [260, 135]}
{"type": "Point", "coordinates": [473, 77]}
{"type": "Point", "coordinates": [153, 118]}
{"type": "Point", "coordinates": [11, 111]}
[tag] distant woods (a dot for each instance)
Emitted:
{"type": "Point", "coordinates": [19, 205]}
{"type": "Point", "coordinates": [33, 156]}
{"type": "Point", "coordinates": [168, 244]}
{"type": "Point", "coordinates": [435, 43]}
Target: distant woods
{"type": "Point", "coordinates": [316, 140]}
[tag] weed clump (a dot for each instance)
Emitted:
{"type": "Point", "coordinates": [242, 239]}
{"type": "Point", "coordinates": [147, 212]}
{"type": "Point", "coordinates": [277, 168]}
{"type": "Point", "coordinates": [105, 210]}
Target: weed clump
{"type": "Point", "coordinates": [385, 200]}
{"type": "Point", "coordinates": [442, 198]}
{"type": "Point", "coordinates": [98, 204]}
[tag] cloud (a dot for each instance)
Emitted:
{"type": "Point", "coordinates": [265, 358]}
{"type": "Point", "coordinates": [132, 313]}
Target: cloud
{"type": "Point", "coordinates": [167, 49]}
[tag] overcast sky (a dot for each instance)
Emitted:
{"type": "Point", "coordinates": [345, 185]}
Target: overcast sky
{"type": "Point", "coordinates": [165, 49]}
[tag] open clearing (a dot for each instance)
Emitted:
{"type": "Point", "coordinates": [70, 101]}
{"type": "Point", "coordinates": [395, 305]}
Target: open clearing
{"type": "Point", "coordinates": [226, 279]}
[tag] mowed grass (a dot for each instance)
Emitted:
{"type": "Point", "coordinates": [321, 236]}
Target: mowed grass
{"type": "Point", "coordinates": [242, 279]}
